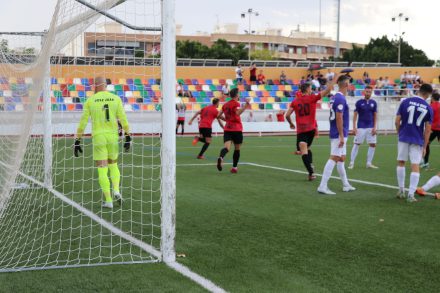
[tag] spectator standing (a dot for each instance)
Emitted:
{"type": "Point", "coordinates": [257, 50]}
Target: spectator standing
{"type": "Point", "coordinates": [269, 118]}
{"type": "Point", "coordinates": [225, 91]}
{"type": "Point", "coordinates": [403, 77]}
{"type": "Point", "coordinates": [366, 78]}
{"type": "Point", "coordinates": [239, 74]}
{"type": "Point", "coordinates": [330, 75]}
{"type": "Point", "coordinates": [253, 73]}
{"type": "Point", "coordinates": [251, 117]}
{"type": "Point", "coordinates": [280, 116]}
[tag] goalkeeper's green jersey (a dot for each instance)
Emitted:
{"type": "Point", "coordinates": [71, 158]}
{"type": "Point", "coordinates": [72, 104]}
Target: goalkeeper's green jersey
{"type": "Point", "coordinates": [105, 109]}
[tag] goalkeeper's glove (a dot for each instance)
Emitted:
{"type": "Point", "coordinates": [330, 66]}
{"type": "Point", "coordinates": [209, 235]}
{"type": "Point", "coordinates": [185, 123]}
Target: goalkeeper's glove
{"type": "Point", "coordinates": [77, 148]}
{"type": "Point", "coordinates": [127, 143]}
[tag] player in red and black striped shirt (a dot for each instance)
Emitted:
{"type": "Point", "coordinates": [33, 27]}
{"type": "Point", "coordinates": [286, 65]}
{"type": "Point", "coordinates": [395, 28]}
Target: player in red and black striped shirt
{"type": "Point", "coordinates": [207, 116]}
{"type": "Point", "coordinates": [304, 107]}
{"type": "Point", "coordinates": [233, 130]}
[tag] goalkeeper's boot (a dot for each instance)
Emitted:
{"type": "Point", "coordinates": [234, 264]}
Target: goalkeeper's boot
{"type": "Point", "coordinates": [371, 166]}
{"type": "Point", "coordinates": [118, 197]}
{"type": "Point", "coordinates": [107, 205]}
{"type": "Point", "coordinates": [420, 191]}
{"type": "Point", "coordinates": [234, 170]}
{"type": "Point", "coordinates": [351, 166]}
{"type": "Point", "coordinates": [411, 198]}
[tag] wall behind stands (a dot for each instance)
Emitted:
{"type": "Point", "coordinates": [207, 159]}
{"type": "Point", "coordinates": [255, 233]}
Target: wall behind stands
{"type": "Point", "coordinates": [113, 72]}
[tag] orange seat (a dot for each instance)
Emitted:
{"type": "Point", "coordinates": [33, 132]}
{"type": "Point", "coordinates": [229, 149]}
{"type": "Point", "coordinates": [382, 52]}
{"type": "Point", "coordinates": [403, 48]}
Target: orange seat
{"type": "Point", "coordinates": [144, 107]}
{"type": "Point", "coordinates": [240, 87]}
{"type": "Point", "coordinates": [80, 87]}
{"type": "Point", "coordinates": [131, 100]}
{"type": "Point", "coordinates": [281, 88]}
{"type": "Point", "coordinates": [266, 94]}
{"type": "Point", "coordinates": [201, 81]}
{"type": "Point", "coordinates": [264, 100]}
{"type": "Point", "coordinates": [189, 106]}
{"type": "Point", "coordinates": [70, 107]}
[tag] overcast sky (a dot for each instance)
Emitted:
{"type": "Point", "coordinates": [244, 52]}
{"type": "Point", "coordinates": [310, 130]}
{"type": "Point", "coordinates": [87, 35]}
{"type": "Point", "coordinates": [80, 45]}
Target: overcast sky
{"type": "Point", "coordinates": [360, 20]}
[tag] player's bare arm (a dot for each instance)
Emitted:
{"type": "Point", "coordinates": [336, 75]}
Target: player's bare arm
{"type": "Point", "coordinates": [243, 108]}
{"type": "Point", "coordinates": [329, 88]}
{"type": "Point", "coordinates": [221, 116]}
{"type": "Point", "coordinates": [397, 123]}
{"type": "Point", "coordinates": [340, 126]}
{"type": "Point", "coordinates": [289, 118]}
{"type": "Point", "coordinates": [194, 117]}
{"type": "Point", "coordinates": [355, 117]}
{"type": "Point", "coordinates": [220, 123]}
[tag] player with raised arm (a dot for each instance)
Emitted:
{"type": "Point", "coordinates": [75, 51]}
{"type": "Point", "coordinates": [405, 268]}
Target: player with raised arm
{"type": "Point", "coordinates": [304, 107]}
{"type": "Point", "coordinates": [365, 127]}
{"type": "Point", "coordinates": [339, 124]}
{"type": "Point", "coordinates": [105, 109]}
{"type": "Point", "coordinates": [181, 111]}
{"type": "Point", "coordinates": [435, 133]}
{"type": "Point", "coordinates": [233, 130]}
{"type": "Point", "coordinates": [207, 117]}
{"type": "Point", "coordinates": [413, 124]}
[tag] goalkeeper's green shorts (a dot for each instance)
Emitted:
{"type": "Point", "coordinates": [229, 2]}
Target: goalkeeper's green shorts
{"type": "Point", "coordinates": [105, 147]}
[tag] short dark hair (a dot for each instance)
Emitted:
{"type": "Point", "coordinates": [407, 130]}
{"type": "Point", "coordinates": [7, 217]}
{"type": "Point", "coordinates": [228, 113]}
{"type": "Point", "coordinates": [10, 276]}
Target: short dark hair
{"type": "Point", "coordinates": [436, 96]}
{"type": "Point", "coordinates": [369, 87]}
{"type": "Point", "coordinates": [342, 78]}
{"type": "Point", "coordinates": [426, 89]}
{"type": "Point", "coordinates": [304, 87]}
{"type": "Point", "coordinates": [215, 101]}
{"type": "Point", "coordinates": [233, 93]}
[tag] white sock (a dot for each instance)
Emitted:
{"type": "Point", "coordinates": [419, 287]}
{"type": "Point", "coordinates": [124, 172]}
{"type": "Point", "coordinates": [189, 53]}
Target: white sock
{"type": "Point", "coordinates": [354, 153]}
{"type": "Point", "coordinates": [370, 155]}
{"type": "Point", "coordinates": [433, 182]}
{"type": "Point", "coordinates": [342, 174]}
{"type": "Point", "coordinates": [413, 182]}
{"type": "Point", "coordinates": [328, 170]}
{"type": "Point", "coordinates": [401, 177]}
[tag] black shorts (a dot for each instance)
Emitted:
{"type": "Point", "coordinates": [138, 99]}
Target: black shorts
{"type": "Point", "coordinates": [180, 122]}
{"type": "Point", "coordinates": [205, 132]}
{"type": "Point", "coordinates": [253, 78]}
{"type": "Point", "coordinates": [235, 136]}
{"type": "Point", "coordinates": [434, 134]}
{"type": "Point", "coordinates": [306, 137]}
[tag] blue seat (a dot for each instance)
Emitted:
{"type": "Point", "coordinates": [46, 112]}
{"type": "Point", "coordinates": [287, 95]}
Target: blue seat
{"type": "Point", "coordinates": [283, 106]}
{"type": "Point", "coordinates": [209, 81]}
{"type": "Point", "coordinates": [60, 100]}
{"type": "Point", "coordinates": [257, 100]}
{"type": "Point", "coordinates": [136, 107]}
{"type": "Point", "coordinates": [10, 107]}
{"type": "Point", "coordinates": [130, 81]}
{"type": "Point", "coordinates": [131, 87]}
{"type": "Point", "coordinates": [62, 107]}
{"type": "Point", "coordinates": [53, 80]}
{"type": "Point", "coordinates": [82, 94]}
{"type": "Point", "coordinates": [151, 81]}
{"type": "Point", "coordinates": [85, 81]}
{"type": "Point", "coordinates": [78, 107]}
{"type": "Point", "coordinates": [147, 101]}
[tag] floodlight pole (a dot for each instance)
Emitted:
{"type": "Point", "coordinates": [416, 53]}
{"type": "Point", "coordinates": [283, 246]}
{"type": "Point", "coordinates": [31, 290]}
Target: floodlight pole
{"type": "Point", "coordinates": [250, 12]}
{"type": "Point", "coordinates": [338, 45]}
{"type": "Point", "coordinates": [401, 18]}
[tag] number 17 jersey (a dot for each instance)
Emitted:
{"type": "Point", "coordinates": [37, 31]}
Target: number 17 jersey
{"type": "Point", "coordinates": [305, 112]}
{"type": "Point", "coordinates": [414, 113]}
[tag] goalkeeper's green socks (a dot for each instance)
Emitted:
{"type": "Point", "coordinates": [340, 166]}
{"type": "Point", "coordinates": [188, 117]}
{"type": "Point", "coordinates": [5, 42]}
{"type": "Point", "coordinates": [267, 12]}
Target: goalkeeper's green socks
{"type": "Point", "coordinates": [104, 182]}
{"type": "Point", "coordinates": [115, 176]}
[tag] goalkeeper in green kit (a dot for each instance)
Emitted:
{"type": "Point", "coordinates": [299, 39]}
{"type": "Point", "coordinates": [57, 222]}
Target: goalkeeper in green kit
{"type": "Point", "coordinates": [105, 109]}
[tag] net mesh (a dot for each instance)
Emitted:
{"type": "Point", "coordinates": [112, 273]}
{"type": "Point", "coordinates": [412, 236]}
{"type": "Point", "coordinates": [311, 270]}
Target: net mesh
{"type": "Point", "coordinates": [50, 201]}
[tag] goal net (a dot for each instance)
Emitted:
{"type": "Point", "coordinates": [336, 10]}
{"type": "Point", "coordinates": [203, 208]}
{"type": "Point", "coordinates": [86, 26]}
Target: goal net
{"type": "Point", "coordinates": [50, 201]}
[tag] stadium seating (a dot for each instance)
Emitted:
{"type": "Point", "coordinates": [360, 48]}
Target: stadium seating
{"type": "Point", "coordinates": [69, 94]}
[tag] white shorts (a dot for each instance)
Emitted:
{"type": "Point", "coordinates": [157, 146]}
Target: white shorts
{"type": "Point", "coordinates": [413, 151]}
{"type": "Point", "coordinates": [335, 150]}
{"type": "Point", "coordinates": [365, 133]}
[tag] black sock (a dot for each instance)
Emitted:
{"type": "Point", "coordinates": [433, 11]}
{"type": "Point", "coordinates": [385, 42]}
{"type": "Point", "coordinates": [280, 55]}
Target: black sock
{"type": "Point", "coordinates": [202, 139]}
{"type": "Point", "coordinates": [177, 130]}
{"type": "Point", "coordinates": [426, 159]}
{"type": "Point", "coordinates": [236, 158]}
{"type": "Point", "coordinates": [204, 148]}
{"type": "Point", "coordinates": [297, 146]}
{"type": "Point", "coordinates": [306, 162]}
{"type": "Point", "coordinates": [223, 152]}
{"type": "Point", "coordinates": [310, 157]}
{"type": "Point", "coordinates": [182, 130]}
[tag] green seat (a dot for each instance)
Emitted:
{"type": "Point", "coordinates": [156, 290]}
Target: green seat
{"type": "Point", "coordinates": [57, 94]}
{"type": "Point", "coordinates": [397, 81]}
{"type": "Point", "coordinates": [212, 88]}
{"type": "Point", "coordinates": [203, 94]}
{"type": "Point", "coordinates": [137, 81]}
{"type": "Point", "coordinates": [269, 106]}
{"type": "Point", "coordinates": [54, 107]}
{"type": "Point", "coordinates": [326, 99]}
{"type": "Point", "coordinates": [285, 100]}
{"type": "Point", "coordinates": [83, 100]}
{"type": "Point", "coordinates": [180, 81]}
{"type": "Point", "coordinates": [71, 88]}
{"type": "Point", "coordinates": [228, 99]}
{"type": "Point", "coordinates": [199, 100]}
{"type": "Point", "coordinates": [204, 105]}
{"type": "Point", "coordinates": [118, 87]}
{"type": "Point", "coordinates": [268, 87]}
{"type": "Point", "coordinates": [144, 94]}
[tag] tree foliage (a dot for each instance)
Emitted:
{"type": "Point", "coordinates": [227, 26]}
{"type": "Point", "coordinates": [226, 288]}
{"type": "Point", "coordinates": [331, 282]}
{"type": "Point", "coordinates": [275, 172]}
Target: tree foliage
{"type": "Point", "coordinates": [221, 49]}
{"type": "Point", "coordinates": [262, 55]}
{"type": "Point", "coordinates": [385, 50]}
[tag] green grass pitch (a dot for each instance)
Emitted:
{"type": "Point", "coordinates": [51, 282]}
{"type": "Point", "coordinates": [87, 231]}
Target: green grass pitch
{"type": "Point", "coordinates": [268, 230]}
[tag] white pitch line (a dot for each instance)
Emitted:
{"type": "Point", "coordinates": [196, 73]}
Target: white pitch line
{"type": "Point", "coordinates": [333, 177]}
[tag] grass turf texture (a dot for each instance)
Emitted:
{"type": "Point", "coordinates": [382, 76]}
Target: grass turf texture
{"type": "Point", "coordinates": [264, 230]}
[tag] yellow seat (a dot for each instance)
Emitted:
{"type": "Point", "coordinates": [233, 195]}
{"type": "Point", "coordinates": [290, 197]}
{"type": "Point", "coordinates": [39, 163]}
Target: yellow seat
{"type": "Point", "coordinates": [122, 81]}
{"type": "Point", "coordinates": [55, 87]}
{"type": "Point", "coordinates": [436, 81]}
{"type": "Point", "coordinates": [215, 82]}
{"type": "Point", "coordinates": [255, 106]}
{"type": "Point", "coordinates": [61, 80]}
{"type": "Point", "coordinates": [288, 87]}
{"type": "Point", "coordinates": [185, 100]}
{"type": "Point", "coordinates": [155, 87]}
{"type": "Point", "coordinates": [218, 94]}
{"type": "Point", "coordinates": [280, 94]}
{"type": "Point", "coordinates": [2, 100]}
{"type": "Point", "coordinates": [261, 87]}
{"type": "Point", "coordinates": [74, 94]}
{"type": "Point", "coordinates": [12, 80]}
{"type": "Point", "coordinates": [89, 93]}
{"type": "Point", "coordinates": [271, 100]}
{"type": "Point", "coordinates": [192, 88]}
{"type": "Point", "coordinates": [196, 107]}
{"type": "Point", "coordinates": [251, 94]}
{"type": "Point", "coordinates": [136, 94]}
{"type": "Point", "coordinates": [150, 107]}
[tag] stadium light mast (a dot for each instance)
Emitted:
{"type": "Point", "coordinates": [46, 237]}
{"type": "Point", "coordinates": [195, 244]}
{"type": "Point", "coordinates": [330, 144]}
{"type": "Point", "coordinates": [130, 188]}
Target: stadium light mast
{"type": "Point", "coordinates": [250, 12]}
{"type": "Point", "coordinates": [401, 17]}
{"type": "Point", "coordinates": [338, 24]}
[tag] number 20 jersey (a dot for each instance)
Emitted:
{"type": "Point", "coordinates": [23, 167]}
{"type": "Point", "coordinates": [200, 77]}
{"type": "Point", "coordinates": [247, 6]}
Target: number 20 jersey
{"type": "Point", "coordinates": [414, 113]}
{"type": "Point", "coordinates": [305, 112]}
